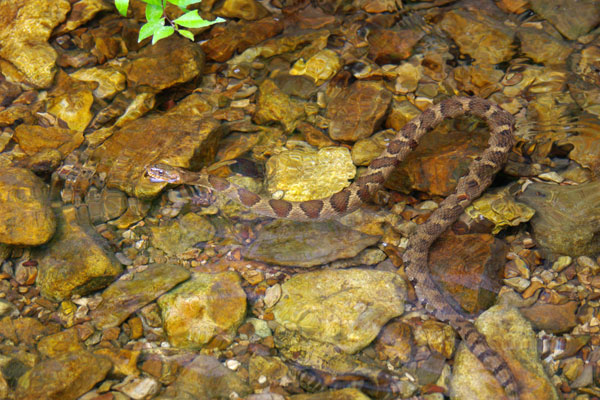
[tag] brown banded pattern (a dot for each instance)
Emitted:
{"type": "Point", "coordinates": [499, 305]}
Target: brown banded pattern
{"type": "Point", "coordinates": [470, 186]}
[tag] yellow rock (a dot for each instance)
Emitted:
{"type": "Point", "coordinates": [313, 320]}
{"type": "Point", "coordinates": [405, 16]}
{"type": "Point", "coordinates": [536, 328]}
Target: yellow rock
{"type": "Point", "coordinates": [319, 67]}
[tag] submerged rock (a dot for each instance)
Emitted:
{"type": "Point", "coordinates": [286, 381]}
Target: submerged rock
{"type": "Point", "coordinates": [306, 244]}
{"type": "Point", "coordinates": [26, 218]}
{"type": "Point", "coordinates": [567, 218]}
{"type": "Point", "coordinates": [346, 308]}
{"type": "Point", "coordinates": [76, 261]}
{"type": "Point", "coordinates": [206, 305]}
{"type": "Point", "coordinates": [125, 296]}
{"type": "Point", "coordinates": [181, 234]}
{"type": "Point", "coordinates": [508, 333]}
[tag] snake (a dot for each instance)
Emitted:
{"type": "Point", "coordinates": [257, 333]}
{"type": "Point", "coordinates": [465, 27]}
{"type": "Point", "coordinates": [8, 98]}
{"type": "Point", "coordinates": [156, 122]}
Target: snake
{"type": "Point", "coordinates": [415, 258]}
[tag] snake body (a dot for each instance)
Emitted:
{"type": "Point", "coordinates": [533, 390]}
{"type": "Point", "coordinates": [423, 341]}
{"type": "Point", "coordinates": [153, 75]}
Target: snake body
{"type": "Point", "coordinates": [479, 177]}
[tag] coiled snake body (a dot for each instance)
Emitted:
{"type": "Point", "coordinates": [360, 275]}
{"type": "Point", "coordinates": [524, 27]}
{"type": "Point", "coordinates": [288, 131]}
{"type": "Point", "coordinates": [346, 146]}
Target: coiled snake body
{"type": "Point", "coordinates": [479, 177]}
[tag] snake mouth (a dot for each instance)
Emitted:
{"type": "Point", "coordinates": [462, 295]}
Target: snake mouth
{"type": "Point", "coordinates": [157, 174]}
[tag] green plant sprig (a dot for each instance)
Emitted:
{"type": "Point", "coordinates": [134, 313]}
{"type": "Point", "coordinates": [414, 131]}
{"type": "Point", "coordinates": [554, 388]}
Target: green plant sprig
{"type": "Point", "coordinates": [156, 17]}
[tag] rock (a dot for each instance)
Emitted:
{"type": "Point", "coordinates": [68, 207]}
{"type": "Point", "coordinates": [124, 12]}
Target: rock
{"type": "Point", "coordinates": [542, 47]}
{"type": "Point", "coordinates": [75, 261]}
{"type": "Point", "coordinates": [357, 111]}
{"type": "Point", "coordinates": [469, 267]}
{"type": "Point", "coordinates": [182, 234]}
{"type": "Point", "coordinates": [71, 101]}
{"type": "Point", "coordinates": [124, 363]}
{"type": "Point", "coordinates": [184, 136]}
{"type": "Point", "coordinates": [34, 139]}
{"type": "Point", "coordinates": [82, 12]}
{"type": "Point", "coordinates": [330, 305]}
{"type": "Point", "coordinates": [63, 378]}
{"type": "Point", "coordinates": [25, 330]}
{"type": "Point", "coordinates": [25, 27]}
{"type": "Point", "coordinates": [341, 394]}
{"type": "Point", "coordinates": [198, 310]}
{"type": "Point", "coordinates": [572, 18]}
{"type": "Point", "coordinates": [436, 335]}
{"type": "Point", "coordinates": [139, 388]}
{"type": "Point", "coordinates": [512, 337]}
{"type": "Point", "coordinates": [271, 368]}
{"type": "Point", "coordinates": [395, 343]}
{"type": "Point", "coordinates": [501, 209]}
{"type": "Point", "coordinates": [170, 61]}
{"type": "Point", "coordinates": [227, 38]}
{"type": "Point", "coordinates": [443, 156]}
{"type": "Point", "coordinates": [388, 46]}
{"type": "Point", "coordinates": [246, 9]}
{"type": "Point", "coordinates": [480, 36]}
{"type": "Point", "coordinates": [205, 377]}
{"type": "Point", "coordinates": [26, 218]}
{"type": "Point", "coordinates": [320, 67]}
{"type": "Point", "coordinates": [567, 218]}
{"type": "Point", "coordinates": [125, 296]}
{"type": "Point", "coordinates": [308, 174]}
{"type": "Point", "coordinates": [60, 343]}
{"type": "Point", "coordinates": [273, 105]}
{"type": "Point", "coordinates": [306, 244]}
{"type": "Point", "coordinates": [552, 318]}
{"type": "Point", "coordinates": [110, 80]}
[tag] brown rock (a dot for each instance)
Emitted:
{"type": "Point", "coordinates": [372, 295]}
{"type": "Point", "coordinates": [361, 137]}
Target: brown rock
{"type": "Point", "coordinates": [572, 18]}
{"type": "Point", "coordinates": [233, 36]}
{"type": "Point", "coordinates": [62, 378]}
{"type": "Point", "coordinates": [273, 105]}
{"type": "Point", "coordinates": [552, 318]}
{"type": "Point", "coordinates": [169, 62]}
{"type": "Point", "coordinates": [387, 46]}
{"type": "Point", "coordinates": [60, 343]}
{"type": "Point", "coordinates": [357, 111]}
{"type": "Point", "coordinates": [469, 267]}
{"type": "Point", "coordinates": [25, 214]}
{"type": "Point", "coordinates": [25, 27]}
{"type": "Point", "coordinates": [35, 138]}
{"type": "Point", "coordinates": [124, 360]}
{"type": "Point", "coordinates": [395, 342]}
{"type": "Point", "coordinates": [245, 9]}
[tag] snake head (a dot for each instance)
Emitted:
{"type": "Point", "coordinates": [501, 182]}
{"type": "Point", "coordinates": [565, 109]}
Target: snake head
{"type": "Point", "coordinates": [163, 173]}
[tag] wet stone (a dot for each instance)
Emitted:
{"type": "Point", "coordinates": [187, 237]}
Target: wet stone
{"type": "Point", "coordinates": [328, 305]}
{"type": "Point", "coordinates": [306, 244]}
{"type": "Point", "coordinates": [572, 18]}
{"type": "Point", "coordinates": [244, 9]}
{"type": "Point", "coordinates": [567, 218]}
{"type": "Point", "coordinates": [60, 343]}
{"type": "Point", "coordinates": [469, 267]}
{"type": "Point", "coordinates": [508, 333]}
{"type": "Point", "coordinates": [25, 27]}
{"type": "Point", "coordinates": [227, 38]}
{"type": "Point", "coordinates": [71, 101]}
{"type": "Point", "coordinates": [177, 135]}
{"type": "Point", "coordinates": [82, 12]}
{"type": "Point", "coordinates": [25, 214]}
{"type": "Point", "coordinates": [478, 35]}
{"type": "Point", "coordinates": [543, 47]}
{"type": "Point", "coordinates": [501, 209]}
{"type": "Point", "coordinates": [76, 261]}
{"type": "Point", "coordinates": [124, 360]}
{"type": "Point", "coordinates": [34, 139]}
{"type": "Point", "coordinates": [388, 46]}
{"type": "Point", "coordinates": [170, 61]}
{"type": "Point", "coordinates": [308, 174]}
{"type": "Point", "coordinates": [357, 111]}
{"type": "Point", "coordinates": [125, 296]}
{"type": "Point", "coordinates": [341, 394]}
{"type": "Point", "coordinates": [63, 378]}
{"type": "Point", "coordinates": [205, 377]}
{"type": "Point", "coordinates": [273, 105]}
{"type": "Point", "coordinates": [552, 318]}
{"type": "Point", "coordinates": [319, 67]}
{"type": "Point", "coordinates": [182, 234]}
{"type": "Point", "coordinates": [199, 309]}
{"type": "Point", "coordinates": [110, 80]}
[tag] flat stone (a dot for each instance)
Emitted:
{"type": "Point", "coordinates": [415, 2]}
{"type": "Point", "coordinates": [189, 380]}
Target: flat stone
{"type": "Point", "coordinates": [306, 244]}
{"type": "Point", "coordinates": [508, 333]}
{"type": "Point", "coordinates": [329, 305]}
{"type": "Point", "coordinates": [567, 218]}
{"type": "Point", "coordinates": [182, 233]}
{"type": "Point", "coordinates": [552, 318]}
{"type": "Point", "coordinates": [25, 27]}
{"type": "Point", "coordinates": [572, 18]}
{"type": "Point", "coordinates": [273, 105]}
{"type": "Point", "coordinates": [244, 9]}
{"type": "Point", "coordinates": [199, 309]}
{"type": "Point", "coordinates": [34, 139]}
{"type": "Point", "coordinates": [125, 296]}
{"type": "Point", "coordinates": [387, 46]}
{"type": "Point", "coordinates": [60, 343]}
{"type": "Point", "coordinates": [26, 218]}
{"type": "Point", "coordinates": [205, 377]}
{"type": "Point", "coordinates": [357, 111]}
{"type": "Point", "coordinates": [76, 261]}
{"type": "Point", "coordinates": [63, 378]}
{"type": "Point", "coordinates": [341, 394]}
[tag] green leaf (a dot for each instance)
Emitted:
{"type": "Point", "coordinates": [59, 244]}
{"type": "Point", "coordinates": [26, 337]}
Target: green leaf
{"type": "Point", "coordinates": [153, 13]}
{"type": "Point", "coordinates": [186, 34]}
{"type": "Point", "coordinates": [122, 6]}
{"type": "Point", "coordinates": [184, 3]}
{"type": "Point", "coordinates": [154, 2]}
{"type": "Point", "coordinates": [162, 32]}
{"type": "Point", "coordinates": [191, 19]}
{"type": "Point", "coordinates": [150, 28]}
